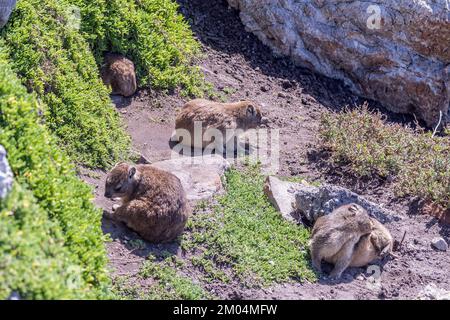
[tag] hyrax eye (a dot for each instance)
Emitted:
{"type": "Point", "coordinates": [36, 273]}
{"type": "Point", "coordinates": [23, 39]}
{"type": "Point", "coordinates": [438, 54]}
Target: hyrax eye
{"type": "Point", "coordinates": [117, 188]}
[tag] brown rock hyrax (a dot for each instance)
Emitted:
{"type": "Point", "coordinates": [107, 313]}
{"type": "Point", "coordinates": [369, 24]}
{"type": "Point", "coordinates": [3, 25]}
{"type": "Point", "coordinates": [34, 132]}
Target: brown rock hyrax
{"type": "Point", "coordinates": [215, 117]}
{"type": "Point", "coordinates": [119, 73]}
{"type": "Point", "coordinates": [372, 246]}
{"type": "Point", "coordinates": [153, 201]}
{"type": "Point", "coordinates": [334, 237]}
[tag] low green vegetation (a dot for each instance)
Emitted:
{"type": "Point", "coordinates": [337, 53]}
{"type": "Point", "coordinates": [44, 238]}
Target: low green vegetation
{"type": "Point", "coordinates": [164, 283]}
{"type": "Point", "coordinates": [363, 143]}
{"type": "Point", "coordinates": [151, 33]}
{"type": "Point", "coordinates": [54, 60]}
{"type": "Point", "coordinates": [244, 237]}
{"type": "Point", "coordinates": [51, 243]}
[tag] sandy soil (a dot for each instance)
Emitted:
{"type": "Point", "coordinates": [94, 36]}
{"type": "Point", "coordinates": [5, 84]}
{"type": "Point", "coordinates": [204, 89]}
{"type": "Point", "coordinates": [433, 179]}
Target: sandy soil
{"type": "Point", "coordinates": [240, 67]}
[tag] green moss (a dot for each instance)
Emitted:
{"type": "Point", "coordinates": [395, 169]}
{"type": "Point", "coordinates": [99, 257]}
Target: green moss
{"type": "Point", "coordinates": [55, 61]}
{"type": "Point", "coordinates": [49, 224]}
{"type": "Point", "coordinates": [245, 234]}
{"type": "Point", "coordinates": [151, 33]}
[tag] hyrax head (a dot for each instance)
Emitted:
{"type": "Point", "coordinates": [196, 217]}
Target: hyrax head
{"type": "Point", "coordinates": [249, 114]}
{"type": "Point", "coordinates": [121, 181]}
{"type": "Point", "coordinates": [358, 216]}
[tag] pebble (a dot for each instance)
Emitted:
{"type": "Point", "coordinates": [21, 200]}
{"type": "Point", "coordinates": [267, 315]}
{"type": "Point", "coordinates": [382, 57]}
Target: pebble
{"type": "Point", "coordinates": [439, 244]}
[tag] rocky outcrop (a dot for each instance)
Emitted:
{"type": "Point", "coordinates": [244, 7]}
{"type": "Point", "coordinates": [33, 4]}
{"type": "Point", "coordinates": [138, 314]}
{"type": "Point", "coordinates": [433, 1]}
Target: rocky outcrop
{"type": "Point", "coordinates": [6, 7]}
{"type": "Point", "coordinates": [313, 202]}
{"type": "Point", "coordinates": [6, 175]}
{"type": "Point", "coordinates": [201, 176]}
{"type": "Point", "coordinates": [393, 51]}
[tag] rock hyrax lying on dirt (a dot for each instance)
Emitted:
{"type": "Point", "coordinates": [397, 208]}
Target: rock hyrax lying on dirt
{"type": "Point", "coordinates": [238, 116]}
{"type": "Point", "coordinates": [153, 201]}
{"type": "Point", "coordinates": [335, 236]}
{"type": "Point", "coordinates": [118, 72]}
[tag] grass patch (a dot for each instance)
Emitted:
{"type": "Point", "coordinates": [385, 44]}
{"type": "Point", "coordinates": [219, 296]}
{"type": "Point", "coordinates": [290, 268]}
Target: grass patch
{"type": "Point", "coordinates": [244, 233]}
{"type": "Point", "coordinates": [152, 34]}
{"type": "Point", "coordinates": [54, 60]}
{"type": "Point", "coordinates": [166, 283]}
{"type": "Point", "coordinates": [51, 242]}
{"type": "Point", "coordinates": [363, 143]}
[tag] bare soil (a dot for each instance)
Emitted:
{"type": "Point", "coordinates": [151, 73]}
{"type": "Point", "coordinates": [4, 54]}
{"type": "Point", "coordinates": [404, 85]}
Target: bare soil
{"type": "Point", "coordinates": [241, 67]}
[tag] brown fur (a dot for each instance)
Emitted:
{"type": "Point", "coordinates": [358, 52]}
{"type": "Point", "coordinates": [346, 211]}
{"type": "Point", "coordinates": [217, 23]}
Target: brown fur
{"type": "Point", "coordinates": [241, 115]}
{"type": "Point", "coordinates": [153, 201]}
{"type": "Point", "coordinates": [119, 73]}
{"type": "Point", "coordinates": [334, 237]}
{"type": "Point", "coordinates": [370, 247]}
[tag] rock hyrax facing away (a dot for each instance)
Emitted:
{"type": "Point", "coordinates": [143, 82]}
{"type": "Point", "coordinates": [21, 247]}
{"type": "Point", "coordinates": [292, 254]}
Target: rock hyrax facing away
{"type": "Point", "coordinates": [242, 115]}
{"type": "Point", "coordinates": [118, 72]}
{"type": "Point", "coordinates": [334, 237]}
{"type": "Point", "coordinates": [153, 201]}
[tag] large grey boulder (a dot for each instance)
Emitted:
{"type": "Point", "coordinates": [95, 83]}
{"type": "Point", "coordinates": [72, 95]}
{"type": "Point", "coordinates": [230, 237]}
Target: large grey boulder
{"type": "Point", "coordinates": [6, 175]}
{"type": "Point", "coordinates": [313, 202]}
{"type": "Point", "coordinates": [200, 176]}
{"type": "Point", "coordinates": [393, 51]}
{"type": "Point", "coordinates": [6, 7]}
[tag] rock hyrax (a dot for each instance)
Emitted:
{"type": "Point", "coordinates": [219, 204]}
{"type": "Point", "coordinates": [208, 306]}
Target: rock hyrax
{"type": "Point", "coordinates": [153, 201]}
{"type": "Point", "coordinates": [215, 116]}
{"type": "Point", "coordinates": [334, 237]}
{"type": "Point", "coordinates": [375, 245]}
{"type": "Point", "coordinates": [118, 72]}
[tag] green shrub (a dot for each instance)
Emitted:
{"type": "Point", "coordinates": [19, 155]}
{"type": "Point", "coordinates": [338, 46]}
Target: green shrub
{"type": "Point", "coordinates": [151, 33]}
{"type": "Point", "coordinates": [369, 147]}
{"type": "Point", "coordinates": [49, 228]}
{"type": "Point", "coordinates": [55, 61]}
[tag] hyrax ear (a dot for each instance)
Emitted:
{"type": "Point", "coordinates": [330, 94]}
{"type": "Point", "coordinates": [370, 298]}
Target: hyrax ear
{"type": "Point", "coordinates": [251, 110]}
{"type": "Point", "coordinates": [131, 172]}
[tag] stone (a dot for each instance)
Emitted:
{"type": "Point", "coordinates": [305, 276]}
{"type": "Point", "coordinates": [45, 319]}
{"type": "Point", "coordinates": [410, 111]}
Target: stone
{"type": "Point", "coordinates": [200, 176]}
{"type": "Point", "coordinates": [439, 244]}
{"type": "Point", "coordinates": [432, 292]}
{"type": "Point", "coordinates": [6, 175]}
{"type": "Point", "coordinates": [281, 195]}
{"type": "Point", "coordinates": [119, 73]}
{"type": "Point", "coordinates": [392, 51]}
{"type": "Point", "coordinates": [6, 7]}
{"type": "Point", "coordinates": [313, 202]}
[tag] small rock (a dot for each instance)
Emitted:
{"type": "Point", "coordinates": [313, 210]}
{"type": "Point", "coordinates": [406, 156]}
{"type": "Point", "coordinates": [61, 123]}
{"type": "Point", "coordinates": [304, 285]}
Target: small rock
{"type": "Point", "coordinates": [143, 160]}
{"type": "Point", "coordinates": [439, 244]}
{"type": "Point", "coordinates": [264, 88]}
{"type": "Point", "coordinates": [432, 292]}
{"type": "Point", "coordinates": [282, 196]}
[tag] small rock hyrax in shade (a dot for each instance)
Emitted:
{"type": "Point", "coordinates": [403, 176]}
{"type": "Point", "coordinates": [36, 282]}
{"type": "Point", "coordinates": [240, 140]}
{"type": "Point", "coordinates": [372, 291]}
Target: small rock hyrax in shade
{"type": "Point", "coordinates": [335, 236]}
{"type": "Point", "coordinates": [214, 117]}
{"type": "Point", "coordinates": [119, 73]}
{"type": "Point", "coordinates": [153, 201]}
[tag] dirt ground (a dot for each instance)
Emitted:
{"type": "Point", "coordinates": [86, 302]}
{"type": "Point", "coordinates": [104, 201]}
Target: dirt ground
{"type": "Point", "coordinates": [241, 67]}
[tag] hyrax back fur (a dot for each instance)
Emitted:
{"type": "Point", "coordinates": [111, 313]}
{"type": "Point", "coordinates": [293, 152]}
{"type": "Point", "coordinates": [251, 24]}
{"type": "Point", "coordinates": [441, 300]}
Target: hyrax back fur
{"type": "Point", "coordinates": [334, 237]}
{"type": "Point", "coordinates": [119, 73]}
{"type": "Point", "coordinates": [242, 115]}
{"type": "Point", "coordinates": [153, 201]}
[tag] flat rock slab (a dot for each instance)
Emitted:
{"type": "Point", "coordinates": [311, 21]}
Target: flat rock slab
{"type": "Point", "coordinates": [200, 176]}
